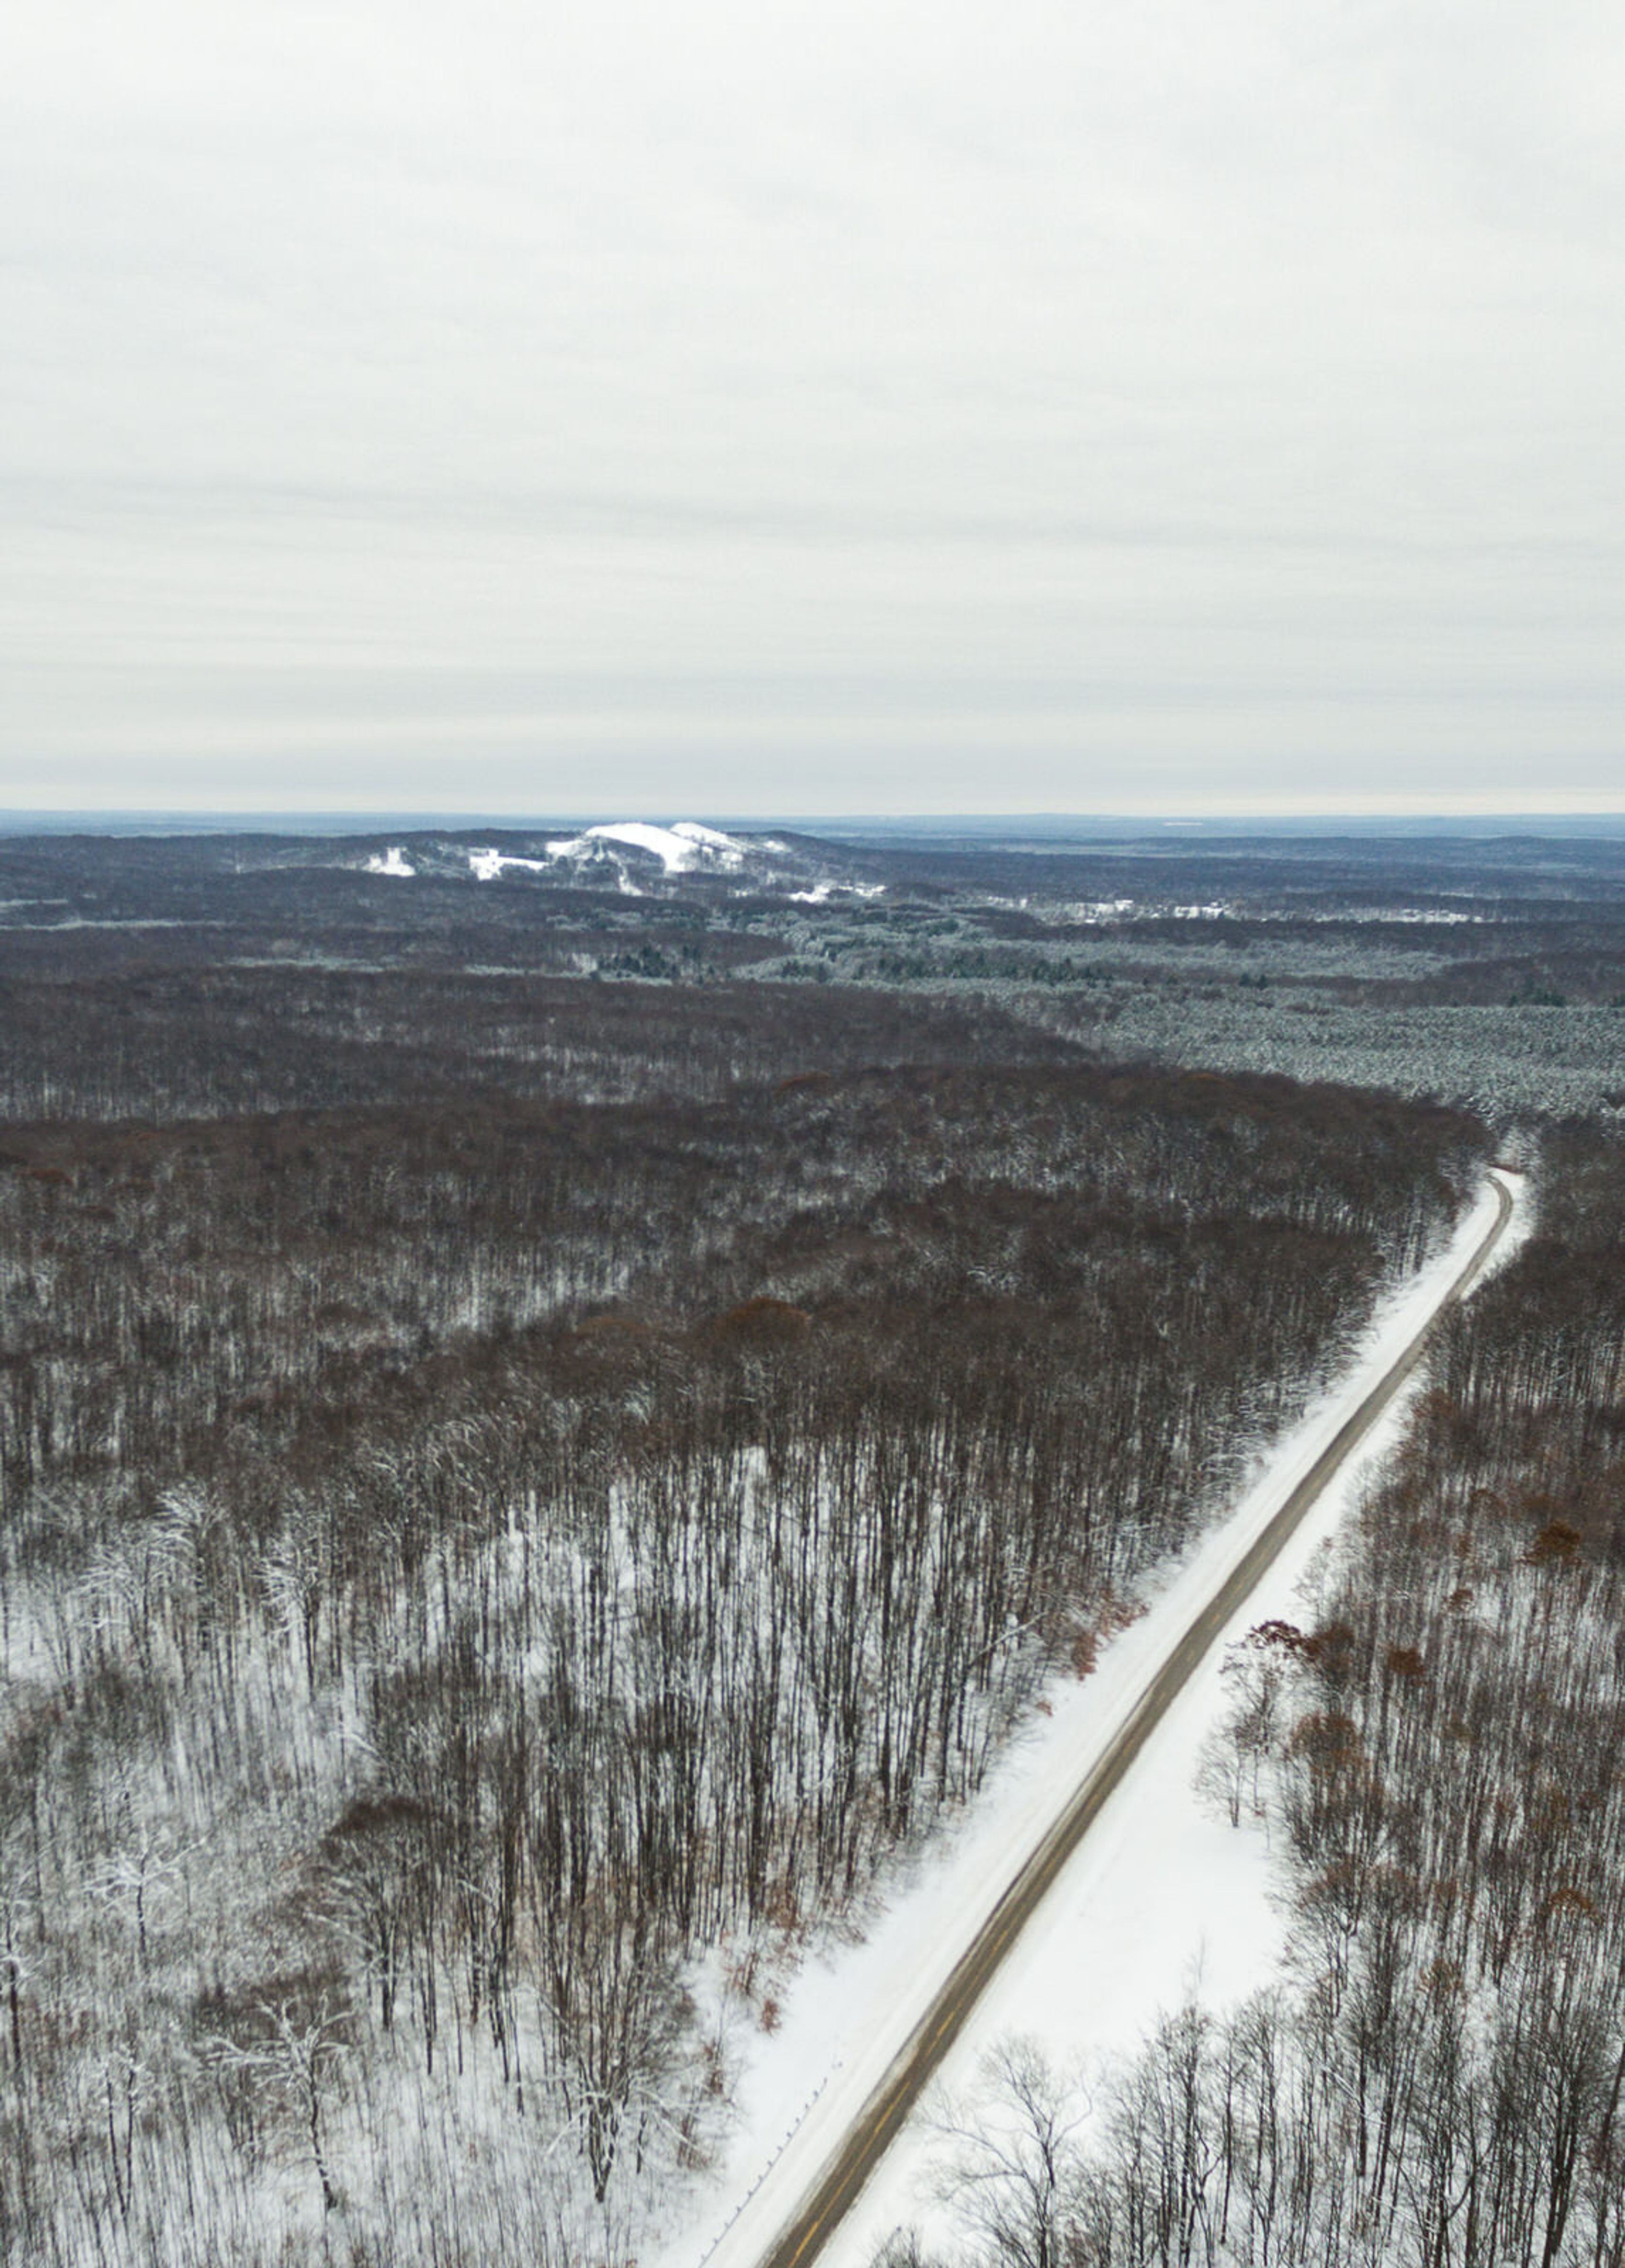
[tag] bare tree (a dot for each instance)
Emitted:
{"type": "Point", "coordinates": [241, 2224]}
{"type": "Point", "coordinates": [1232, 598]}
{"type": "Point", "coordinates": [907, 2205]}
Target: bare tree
{"type": "Point", "coordinates": [1012, 2171]}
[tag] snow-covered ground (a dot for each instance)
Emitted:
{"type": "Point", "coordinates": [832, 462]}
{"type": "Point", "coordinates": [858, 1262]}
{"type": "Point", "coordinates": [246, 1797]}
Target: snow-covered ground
{"type": "Point", "coordinates": [680, 849]}
{"type": "Point", "coordinates": [684, 848]}
{"type": "Point", "coordinates": [821, 893]}
{"type": "Point", "coordinates": [487, 865]}
{"type": "Point", "coordinates": [1160, 1903]}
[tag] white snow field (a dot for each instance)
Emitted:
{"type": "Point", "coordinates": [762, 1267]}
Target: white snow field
{"type": "Point", "coordinates": [487, 865]}
{"type": "Point", "coordinates": [1161, 1903]}
{"type": "Point", "coordinates": [680, 849]}
{"type": "Point", "coordinates": [686, 848]}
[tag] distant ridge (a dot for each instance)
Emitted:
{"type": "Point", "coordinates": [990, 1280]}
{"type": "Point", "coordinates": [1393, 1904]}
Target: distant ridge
{"type": "Point", "coordinates": [936, 828]}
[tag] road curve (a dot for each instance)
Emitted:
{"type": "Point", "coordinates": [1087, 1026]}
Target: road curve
{"type": "Point", "coordinates": [838, 2186]}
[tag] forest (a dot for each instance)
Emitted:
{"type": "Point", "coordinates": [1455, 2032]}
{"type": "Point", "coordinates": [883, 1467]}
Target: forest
{"type": "Point", "coordinates": [152, 976]}
{"type": "Point", "coordinates": [544, 1444]}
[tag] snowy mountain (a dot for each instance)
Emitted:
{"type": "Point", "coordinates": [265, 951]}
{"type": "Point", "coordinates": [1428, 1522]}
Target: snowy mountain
{"type": "Point", "coordinates": [687, 848]}
{"type": "Point", "coordinates": [635, 855]}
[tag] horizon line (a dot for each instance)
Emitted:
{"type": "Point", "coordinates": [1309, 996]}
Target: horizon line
{"type": "Point", "coordinates": [1152, 814]}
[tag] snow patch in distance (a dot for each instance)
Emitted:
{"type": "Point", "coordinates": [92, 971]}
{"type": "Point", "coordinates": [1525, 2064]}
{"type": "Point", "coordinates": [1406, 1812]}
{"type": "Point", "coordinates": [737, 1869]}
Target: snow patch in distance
{"type": "Point", "coordinates": [487, 865]}
{"type": "Point", "coordinates": [680, 849]}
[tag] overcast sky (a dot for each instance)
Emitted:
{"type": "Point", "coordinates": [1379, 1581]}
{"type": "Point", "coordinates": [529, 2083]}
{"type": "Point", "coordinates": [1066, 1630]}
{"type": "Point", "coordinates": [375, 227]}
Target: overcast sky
{"type": "Point", "coordinates": [747, 405]}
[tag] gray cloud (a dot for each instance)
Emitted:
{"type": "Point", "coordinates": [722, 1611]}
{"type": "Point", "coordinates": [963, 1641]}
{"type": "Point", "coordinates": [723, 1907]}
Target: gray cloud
{"type": "Point", "coordinates": [798, 407]}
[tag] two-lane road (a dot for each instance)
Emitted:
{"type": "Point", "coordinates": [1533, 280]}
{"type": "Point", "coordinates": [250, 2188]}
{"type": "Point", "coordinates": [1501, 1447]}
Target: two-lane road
{"type": "Point", "coordinates": [837, 2186]}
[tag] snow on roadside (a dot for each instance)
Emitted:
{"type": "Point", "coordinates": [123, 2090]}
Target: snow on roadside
{"type": "Point", "coordinates": [1159, 1902]}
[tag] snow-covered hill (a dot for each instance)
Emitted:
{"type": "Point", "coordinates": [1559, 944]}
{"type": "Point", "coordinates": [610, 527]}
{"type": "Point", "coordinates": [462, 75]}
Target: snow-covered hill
{"type": "Point", "coordinates": [633, 858]}
{"type": "Point", "coordinates": [684, 849]}
{"type": "Point", "coordinates": [625, 846]}
{"type": "Point", "coordinates": [634, 855]}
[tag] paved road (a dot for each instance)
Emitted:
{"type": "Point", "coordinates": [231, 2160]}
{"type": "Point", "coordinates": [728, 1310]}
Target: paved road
{"type": "Point", "coordinates": [838, 2186]}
